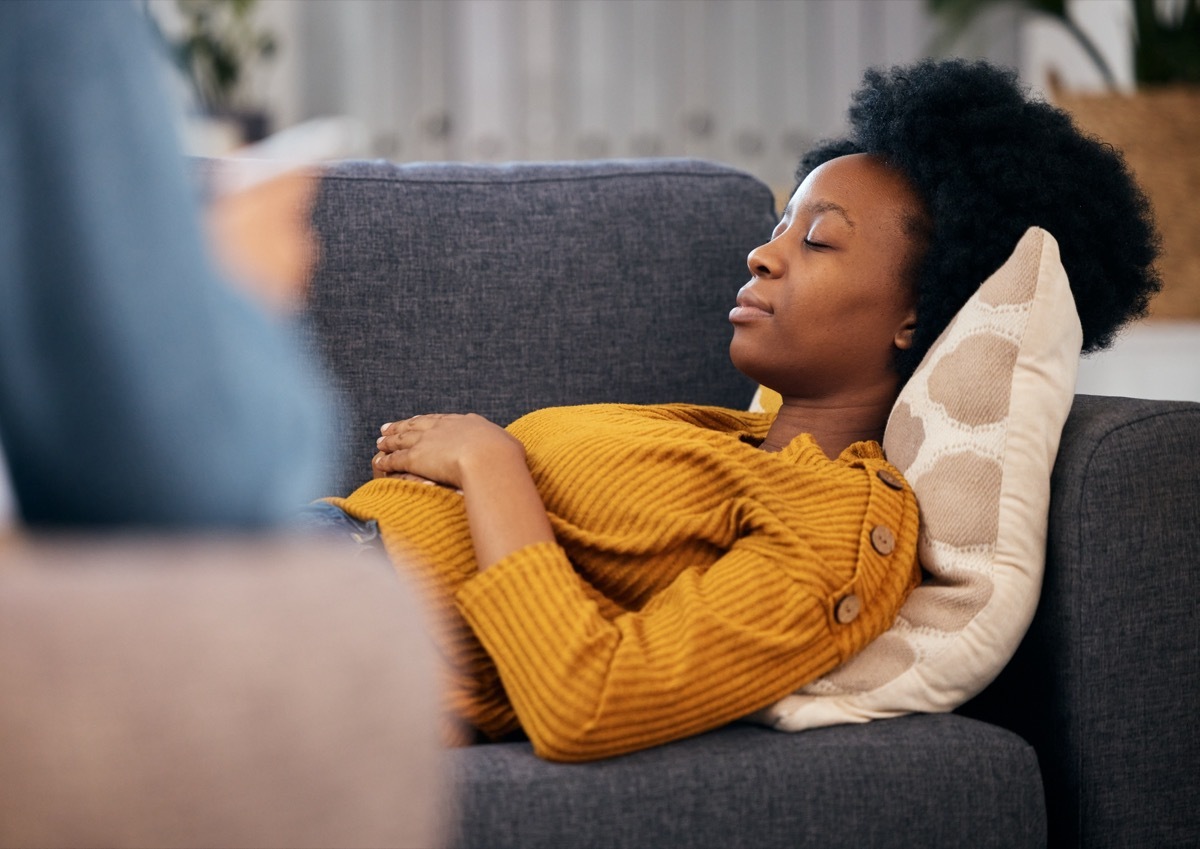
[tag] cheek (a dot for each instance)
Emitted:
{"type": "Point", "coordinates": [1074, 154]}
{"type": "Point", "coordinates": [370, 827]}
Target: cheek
{"type": "Point", "coordinates": [884, 294]}
{"type": "Point", "coordinates": [859, 321]}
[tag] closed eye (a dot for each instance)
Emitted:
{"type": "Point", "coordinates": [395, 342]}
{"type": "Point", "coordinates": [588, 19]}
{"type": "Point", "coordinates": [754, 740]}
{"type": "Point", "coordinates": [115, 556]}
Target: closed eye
{"type": "Point", "coordinates": [818, 245]}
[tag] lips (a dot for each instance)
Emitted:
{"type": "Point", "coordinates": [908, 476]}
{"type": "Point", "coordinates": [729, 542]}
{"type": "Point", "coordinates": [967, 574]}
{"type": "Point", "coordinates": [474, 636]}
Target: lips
{"type": "Point", "coordinates": [749, 307]}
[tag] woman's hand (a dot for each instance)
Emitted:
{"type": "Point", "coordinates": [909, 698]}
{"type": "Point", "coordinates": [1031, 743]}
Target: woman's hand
{"type": "Point", "coordinates": [469, 453]}
{"type": "Point", "coordinates": [403, 476]}
{"type": "Point", "coordinates": [444, 449]}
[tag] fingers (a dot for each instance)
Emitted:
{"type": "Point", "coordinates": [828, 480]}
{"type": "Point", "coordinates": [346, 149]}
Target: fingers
{"type": "Point", "coordinates": [386, 463]}
{"type": "Point", "coordinates": [394, 465]}
{"type": "Point", "coordinates": [396, 441]}
{"type": "Point", "coordinates": [405, 476]}
{"type": "Point", "coordinates": [397, 437]}
{"type": "Point", "coordinates": [401, 424]}
{"type": "Point", "coordinates": [402, 434]}
{"type": "Point", "coordinates": [422, 422]}
{"type": "Point", "coordinates": [409, 476]}
{"type": "Point", "coordinates": [426, 421]}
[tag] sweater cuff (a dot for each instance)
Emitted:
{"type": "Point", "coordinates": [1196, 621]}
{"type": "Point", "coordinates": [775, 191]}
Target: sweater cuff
{"type": "Point", "coordinates": [528, 595]}
{"type": "Point", "coordinates": [532, 614]}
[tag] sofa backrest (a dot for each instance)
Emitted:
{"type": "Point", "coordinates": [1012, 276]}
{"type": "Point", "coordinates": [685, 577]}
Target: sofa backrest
{"type": "Point", "coordinates": [500, 289]}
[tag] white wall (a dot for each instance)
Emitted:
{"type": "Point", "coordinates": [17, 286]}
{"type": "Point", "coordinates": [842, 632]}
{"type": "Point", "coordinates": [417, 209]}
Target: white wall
{"type": "Point", "coordinates": [1158, 359]}
{"type": "Point", "coordinates": [749, 82]}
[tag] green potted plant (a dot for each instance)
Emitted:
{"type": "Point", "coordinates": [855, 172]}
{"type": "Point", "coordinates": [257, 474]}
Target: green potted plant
{"type": "Point", "coordinates": [1166, 37]}
{"type": "Point", "coordinates": [217, 45]}
{"type": "Point", "coordinates": [1157, 126]}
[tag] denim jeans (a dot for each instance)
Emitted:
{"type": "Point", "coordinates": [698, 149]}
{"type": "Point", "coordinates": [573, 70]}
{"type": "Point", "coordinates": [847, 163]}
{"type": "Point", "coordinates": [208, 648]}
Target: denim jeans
{"type": "Point", "coordinates": [321, 517]}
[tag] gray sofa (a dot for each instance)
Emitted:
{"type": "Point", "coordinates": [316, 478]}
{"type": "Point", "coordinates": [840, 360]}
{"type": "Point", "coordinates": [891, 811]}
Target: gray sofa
{"type": "Point", "coordinates": [501, 289]}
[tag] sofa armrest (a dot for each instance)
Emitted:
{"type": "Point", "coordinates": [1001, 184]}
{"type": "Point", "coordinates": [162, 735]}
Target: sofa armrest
{"type": "Point", "coordinates": [204, 692]}
{"type": "Point", "coordinates": [1106, 683]}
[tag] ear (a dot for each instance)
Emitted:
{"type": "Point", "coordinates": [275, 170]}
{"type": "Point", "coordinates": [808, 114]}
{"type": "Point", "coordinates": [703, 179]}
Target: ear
{"type": "Point", "coordinates": [904, 336]}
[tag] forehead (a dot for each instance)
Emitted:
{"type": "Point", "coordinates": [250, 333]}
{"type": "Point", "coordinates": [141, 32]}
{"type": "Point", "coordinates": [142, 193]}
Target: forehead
{"type": "Point", "coordinates": [857, 187]}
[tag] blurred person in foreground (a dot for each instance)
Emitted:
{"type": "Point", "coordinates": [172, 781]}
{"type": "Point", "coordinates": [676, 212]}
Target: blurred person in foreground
{"type": "Point", "coordinates": [137, 387]}
{"type": "Point", "coordinates": [139, 391]}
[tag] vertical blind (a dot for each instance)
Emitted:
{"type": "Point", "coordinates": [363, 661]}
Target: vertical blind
{"type": "Point", "coordinates": [747, 82]}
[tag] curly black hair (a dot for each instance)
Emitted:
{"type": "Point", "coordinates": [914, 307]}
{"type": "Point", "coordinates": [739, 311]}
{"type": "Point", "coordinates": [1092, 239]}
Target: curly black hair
{"type": "Point", "coordinates": [990, 162]}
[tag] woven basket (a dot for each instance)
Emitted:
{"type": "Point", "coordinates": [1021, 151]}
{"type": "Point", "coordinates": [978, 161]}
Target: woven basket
{"type": "Point", "coordinates": [1158, 130]}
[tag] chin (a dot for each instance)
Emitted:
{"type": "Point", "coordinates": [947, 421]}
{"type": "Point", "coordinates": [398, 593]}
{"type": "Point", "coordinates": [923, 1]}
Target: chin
{"type": "Point", "coordinates": [756, 369]}
{"type": "Point", "coordinates": [742, 362]}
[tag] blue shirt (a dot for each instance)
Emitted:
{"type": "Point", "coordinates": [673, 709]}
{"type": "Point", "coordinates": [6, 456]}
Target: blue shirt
{"type": "Point", "coordinates": [136, 386]}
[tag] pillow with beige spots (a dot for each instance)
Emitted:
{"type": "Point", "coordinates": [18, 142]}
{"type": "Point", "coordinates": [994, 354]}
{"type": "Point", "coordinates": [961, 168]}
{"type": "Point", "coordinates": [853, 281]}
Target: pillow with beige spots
{"type": "Point", "coordinates": [975, 431]}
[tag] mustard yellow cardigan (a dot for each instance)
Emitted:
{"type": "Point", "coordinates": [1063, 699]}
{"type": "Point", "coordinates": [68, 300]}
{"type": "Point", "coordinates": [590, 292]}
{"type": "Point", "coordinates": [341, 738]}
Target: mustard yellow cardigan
{"type": "Point", "coordinates": [695, 579]}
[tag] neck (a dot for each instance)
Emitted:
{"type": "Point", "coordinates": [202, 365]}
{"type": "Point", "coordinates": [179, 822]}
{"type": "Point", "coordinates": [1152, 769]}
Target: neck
{"type": "Point", "coordinates": [834, 426]}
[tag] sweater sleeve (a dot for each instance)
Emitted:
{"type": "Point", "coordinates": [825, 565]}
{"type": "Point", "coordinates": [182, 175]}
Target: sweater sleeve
{"type": "Point", "coordinates": [714, 646]}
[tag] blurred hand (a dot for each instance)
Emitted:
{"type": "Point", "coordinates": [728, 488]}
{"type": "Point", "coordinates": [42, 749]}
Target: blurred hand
{"type": "Point", "coordinates": [263, 240]}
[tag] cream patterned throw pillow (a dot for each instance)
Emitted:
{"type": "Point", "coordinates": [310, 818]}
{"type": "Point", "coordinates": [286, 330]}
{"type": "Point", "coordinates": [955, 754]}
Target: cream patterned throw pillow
{"type": "Point", "coordinates": [975, 431]}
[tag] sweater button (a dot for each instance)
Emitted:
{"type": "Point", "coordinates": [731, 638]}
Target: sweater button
{"type": "Point", "coordinates": [883, 540]}
{"type": "Point", "coordinates": [889, 479]}
{"type": "Point", "coordinates": [847, 609]}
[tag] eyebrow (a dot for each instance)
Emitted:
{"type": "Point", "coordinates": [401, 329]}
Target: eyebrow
{"type": "Point", "coordinates": [820, 206]}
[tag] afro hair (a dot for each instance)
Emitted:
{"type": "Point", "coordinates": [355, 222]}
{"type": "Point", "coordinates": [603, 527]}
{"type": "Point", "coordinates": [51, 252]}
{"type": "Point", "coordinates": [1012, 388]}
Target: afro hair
{"type": "Point", "coordinates": [990, 162]}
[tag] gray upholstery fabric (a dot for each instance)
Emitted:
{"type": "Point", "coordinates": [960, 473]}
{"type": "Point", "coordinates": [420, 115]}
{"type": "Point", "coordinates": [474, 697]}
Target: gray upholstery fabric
{"type": "Point", "coordinates": [927, 781]}
{"type": "Point", "coordinates": [194, 693]}
{"type": "Point", "coordinates": [1107, 682]}
{"type": "Point", "coordinates": [504, 289]}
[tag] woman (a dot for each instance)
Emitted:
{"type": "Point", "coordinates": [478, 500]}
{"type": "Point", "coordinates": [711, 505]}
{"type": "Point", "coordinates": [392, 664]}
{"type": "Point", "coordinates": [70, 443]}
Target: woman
{"type": "Point", "coordinates": [613, 577]}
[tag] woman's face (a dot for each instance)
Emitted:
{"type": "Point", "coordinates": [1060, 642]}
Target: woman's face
{"type": "Point", "coordinates": [829, 298]}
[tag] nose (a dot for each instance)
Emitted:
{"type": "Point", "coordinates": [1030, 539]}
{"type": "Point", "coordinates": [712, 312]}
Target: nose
{"type": "Point", "coordinates": [764, 261]}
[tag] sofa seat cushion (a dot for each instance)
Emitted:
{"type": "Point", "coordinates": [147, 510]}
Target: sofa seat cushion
{"type": "Point", "coordinates": [924, 780]}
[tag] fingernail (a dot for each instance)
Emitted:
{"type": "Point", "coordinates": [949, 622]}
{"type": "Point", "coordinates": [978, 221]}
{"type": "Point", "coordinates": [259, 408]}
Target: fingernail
{"type": "Point", "coordinates": [384, 428]}
{"type": "Point", "coordinates": [379, 440]}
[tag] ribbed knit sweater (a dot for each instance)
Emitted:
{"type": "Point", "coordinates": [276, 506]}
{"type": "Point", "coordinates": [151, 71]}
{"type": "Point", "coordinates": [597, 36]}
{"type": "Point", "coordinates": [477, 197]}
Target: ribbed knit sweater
{"type": "Point", "coordinates": [695, 579]}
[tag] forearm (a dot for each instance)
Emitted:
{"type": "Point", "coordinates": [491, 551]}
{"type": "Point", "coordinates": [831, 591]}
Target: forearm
{"type": "Point", "coordinates": [504, 510]}
{"type": "Point", "coordinates": [718, 644]}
